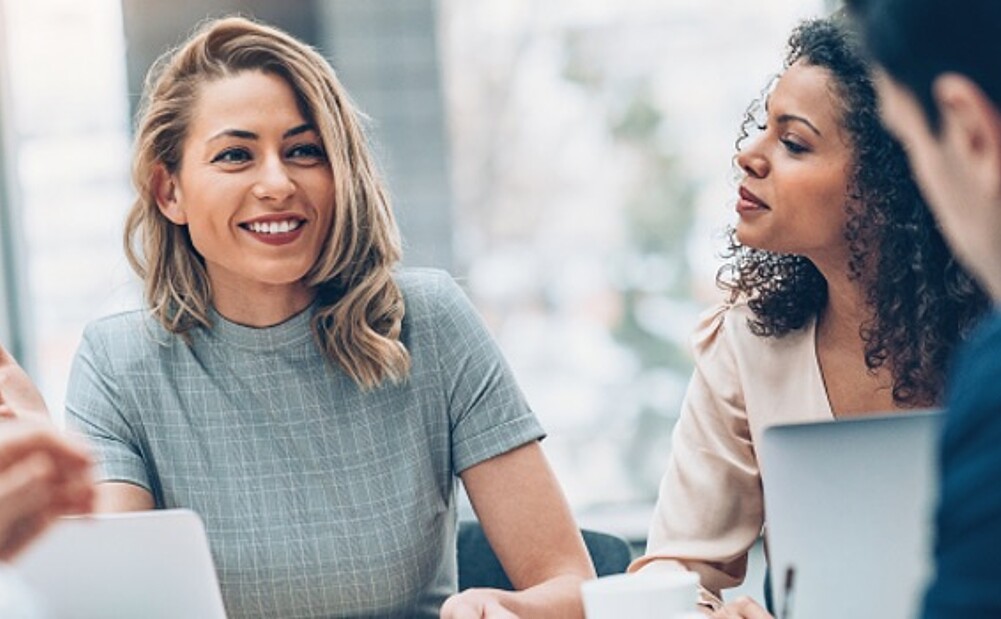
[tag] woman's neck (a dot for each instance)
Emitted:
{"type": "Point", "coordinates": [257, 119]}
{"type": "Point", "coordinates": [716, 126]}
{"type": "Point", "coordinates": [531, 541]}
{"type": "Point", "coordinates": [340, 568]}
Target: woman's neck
{"type": "Point", "coordinates": [261, 307]}
{"type": "Point", "coordinates": [846, 311]}
{"type": "Point", "coordinates": [841, 319]}
{"type": "Point", "coordinates": [853, 388]}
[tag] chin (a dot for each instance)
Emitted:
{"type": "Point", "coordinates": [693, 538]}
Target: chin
{"type": "Point", "coordinates": [746, 237]}
{"type": "Point", "coordinates": [756, 241]}
{"type": "Point", "coordinates": [283, 273]}
{"type": "Point", "coordinates": [281, 280]}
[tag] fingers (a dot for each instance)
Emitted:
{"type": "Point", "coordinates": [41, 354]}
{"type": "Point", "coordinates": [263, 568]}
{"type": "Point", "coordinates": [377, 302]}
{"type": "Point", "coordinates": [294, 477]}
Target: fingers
{"type": "Point", "coordinates": [23, 532]}
{"type": "Point", "coordinates": [26, 497]}
{"type": "Point", "coordinates": [475, 604]}
{"type": "Point", "coordinates": [43, 475]}
{"type": "Point", "coordinates": [73, 479]}
{"type": "Point", "coordinates": [18, 394]}
{"type": "Point", "coordinates": [493, 610]}
{"type": "Point", "coordinates": [742, 608]}
{"type": "Point", "coordinates": [455, 607]}
{"type": "Point", "coordinates": [17, 439]}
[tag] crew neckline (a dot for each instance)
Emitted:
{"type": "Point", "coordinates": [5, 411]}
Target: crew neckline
{"type": "Point", "coordinates": [294, 330]}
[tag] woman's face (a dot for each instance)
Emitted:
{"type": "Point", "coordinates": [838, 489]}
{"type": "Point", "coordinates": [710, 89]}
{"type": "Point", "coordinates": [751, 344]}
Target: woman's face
{"type": "Point", "coordinates": [793, 195]}
{"type": "Point", "coordinates": [254, 188]}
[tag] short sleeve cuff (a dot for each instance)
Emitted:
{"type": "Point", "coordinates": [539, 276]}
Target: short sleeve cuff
{"type": "Point", "coordinates": [495, 441]}
{"type": "Point", "coordinates": [120, 467]}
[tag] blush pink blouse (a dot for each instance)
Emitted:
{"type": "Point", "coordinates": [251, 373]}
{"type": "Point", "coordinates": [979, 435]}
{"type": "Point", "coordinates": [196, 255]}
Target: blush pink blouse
{"type": "Point", "coordinates": [710, 509]}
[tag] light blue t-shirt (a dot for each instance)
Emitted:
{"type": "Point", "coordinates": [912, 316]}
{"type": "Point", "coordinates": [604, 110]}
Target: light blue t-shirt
{"type": "Point", "coordinates": [320, 499]}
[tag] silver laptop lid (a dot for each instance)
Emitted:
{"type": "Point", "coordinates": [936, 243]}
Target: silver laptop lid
{"type": "Point", "coordinates": [849, 507]}
{"type": "Point", "coordinates": [154, 565]}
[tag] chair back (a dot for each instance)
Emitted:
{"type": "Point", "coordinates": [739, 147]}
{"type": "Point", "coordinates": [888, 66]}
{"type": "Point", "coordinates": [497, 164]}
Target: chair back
{"type": "Point", "coordinates": [479, 567]}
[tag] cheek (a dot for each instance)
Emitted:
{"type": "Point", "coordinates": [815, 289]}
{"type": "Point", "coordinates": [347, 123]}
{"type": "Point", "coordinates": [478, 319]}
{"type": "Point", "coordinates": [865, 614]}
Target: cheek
{"type": "Point", "coordinates": [207, 230]}
{"type": "Point", "coordinates": [201, 239]}
{"type": "Point", "coordinates": [200, 226]}
{"type": "Point", "coordinates": [322, 199]}
{"type": "Point", "coordinates": [820, 198]}
{"type": "Point", "coordinates": [319, 187]}
{"type": "Point", "coordinates": [210, 204]}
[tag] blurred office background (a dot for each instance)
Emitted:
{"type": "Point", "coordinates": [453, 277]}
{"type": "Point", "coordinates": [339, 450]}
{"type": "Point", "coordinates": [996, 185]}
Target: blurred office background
{"type": "Point", "coordinates": [568, 160]}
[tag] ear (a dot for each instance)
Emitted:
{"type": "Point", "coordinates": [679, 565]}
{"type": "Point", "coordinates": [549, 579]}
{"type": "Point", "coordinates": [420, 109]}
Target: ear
{"type": "Point", "coordinates": [971, 127]}
{"type": "Point", "coordinates": [167, 195]}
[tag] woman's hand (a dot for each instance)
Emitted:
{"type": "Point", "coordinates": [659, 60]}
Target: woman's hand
{"type": "Point", "coordinates": [476, 604]}
{"type": "Point", "coordinates": [43, 475]}
{"type": "Point", "coordinates": [742, 608]}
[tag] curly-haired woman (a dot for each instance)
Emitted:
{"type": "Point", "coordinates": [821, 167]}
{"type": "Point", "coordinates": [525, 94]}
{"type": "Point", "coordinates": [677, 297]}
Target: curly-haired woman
{"type": "Point", "coordinates": [313, 402]}
{"type": "Point", "coordinates": [843, 300]}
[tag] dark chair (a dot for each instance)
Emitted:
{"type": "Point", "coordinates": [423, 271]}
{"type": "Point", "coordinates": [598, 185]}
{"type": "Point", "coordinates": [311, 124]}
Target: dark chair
{"type": "Point", "coordinates": [478, 565]}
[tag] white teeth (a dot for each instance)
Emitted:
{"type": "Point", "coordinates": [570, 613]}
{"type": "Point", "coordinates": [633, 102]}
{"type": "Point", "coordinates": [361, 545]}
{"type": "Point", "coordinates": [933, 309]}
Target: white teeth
{"type": "Point", "coordinates": [274, 227]}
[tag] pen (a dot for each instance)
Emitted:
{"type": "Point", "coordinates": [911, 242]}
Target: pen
{"type": "Point", "coordinates": [787, 593]}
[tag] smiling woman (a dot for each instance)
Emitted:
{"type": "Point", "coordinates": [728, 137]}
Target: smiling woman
{"type": "Point", "coordinates": [256, 192]}
{"type": "Point", "coordinates": [313, 402]}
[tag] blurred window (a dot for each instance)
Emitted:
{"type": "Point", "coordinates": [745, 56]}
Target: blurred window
{"type": "Point", "coordinates": [68, 134]}
{"type": "Point", "coordinates": [590, 147]}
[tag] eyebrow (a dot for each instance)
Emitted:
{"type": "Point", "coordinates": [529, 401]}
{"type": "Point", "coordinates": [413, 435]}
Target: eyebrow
{"type": "Point", "coordinates": [250, 135]}
{"type": "Point", "coordinates": [785, 118]}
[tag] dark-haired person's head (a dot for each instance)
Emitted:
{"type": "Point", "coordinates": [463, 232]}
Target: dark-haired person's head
{"type": "Point", "coordinates": [821, 122]}
{"type": "Point", "coordinates": [939, 82]}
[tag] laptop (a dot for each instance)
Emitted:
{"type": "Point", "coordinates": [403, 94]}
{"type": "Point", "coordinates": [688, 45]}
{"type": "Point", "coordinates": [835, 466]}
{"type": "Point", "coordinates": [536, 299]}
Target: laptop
{"type": "Point", "coordinates": [153, 564]}
{"type": "Point", "coordinates": [849, 508]}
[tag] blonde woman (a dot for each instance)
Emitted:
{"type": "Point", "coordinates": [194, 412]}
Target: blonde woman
{"type": "Point", "coordinates": [310, 400]}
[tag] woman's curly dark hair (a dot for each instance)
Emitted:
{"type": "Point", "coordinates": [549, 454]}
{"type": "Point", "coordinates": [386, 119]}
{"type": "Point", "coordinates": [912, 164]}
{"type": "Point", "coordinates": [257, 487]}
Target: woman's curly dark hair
{"type": "Point", "coordinates": [922, 301]}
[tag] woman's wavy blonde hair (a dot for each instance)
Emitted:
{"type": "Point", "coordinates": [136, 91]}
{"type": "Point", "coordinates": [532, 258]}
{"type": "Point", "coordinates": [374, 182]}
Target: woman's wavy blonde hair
{"type": "Point", "coordinates": [360, 308]}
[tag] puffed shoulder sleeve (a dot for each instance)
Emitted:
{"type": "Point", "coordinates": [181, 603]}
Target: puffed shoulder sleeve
{"type": "Point", "coordinates": [96, 407]}
{"type": "Point", "coordinates": [488, 413]}
{"type": "Point", "coordinates": [709, 510]}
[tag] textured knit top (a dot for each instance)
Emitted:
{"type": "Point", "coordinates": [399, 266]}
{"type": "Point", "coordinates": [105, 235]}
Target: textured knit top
{"type": "Point", "coordinates": [320, 499]}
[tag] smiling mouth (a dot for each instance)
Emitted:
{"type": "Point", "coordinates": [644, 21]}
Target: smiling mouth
{"type": "Point", "coordinates": [273, 227]}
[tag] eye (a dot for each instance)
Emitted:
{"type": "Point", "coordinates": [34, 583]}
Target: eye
{"type": "Point", "coordinates": [233, 156]}
{"type": "Point", "coordinates": [794, 147]}
{"type": "Point", "coordinates": [307, 153]}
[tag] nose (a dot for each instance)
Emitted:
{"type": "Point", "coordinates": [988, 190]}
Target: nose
{"type": "Point", "coordinates": [752, 160]}
{"type": "Point", "coordinates": [273, 183]}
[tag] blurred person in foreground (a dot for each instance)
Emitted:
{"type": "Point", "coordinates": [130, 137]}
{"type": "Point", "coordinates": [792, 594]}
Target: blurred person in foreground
{"type": "Point", "coordinates": [312, 401]}
{"type": "Point", "coordinates": [843, 301]}
{"type": "Point", "coordinates": [939, 82]}
{"type": "Point", "coordinates": [43, 474]}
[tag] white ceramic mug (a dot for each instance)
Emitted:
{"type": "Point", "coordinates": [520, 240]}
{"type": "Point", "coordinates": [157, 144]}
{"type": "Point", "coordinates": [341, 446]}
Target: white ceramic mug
{"type": "Point", "coordinates": [641, 596]}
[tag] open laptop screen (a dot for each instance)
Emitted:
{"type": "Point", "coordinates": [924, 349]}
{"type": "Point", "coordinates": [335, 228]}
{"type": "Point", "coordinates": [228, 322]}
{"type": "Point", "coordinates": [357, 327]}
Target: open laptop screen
{"type": "Point", "coordinates": [849, 511]}
{"type": "Point", "coordinates": [154, 565]}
